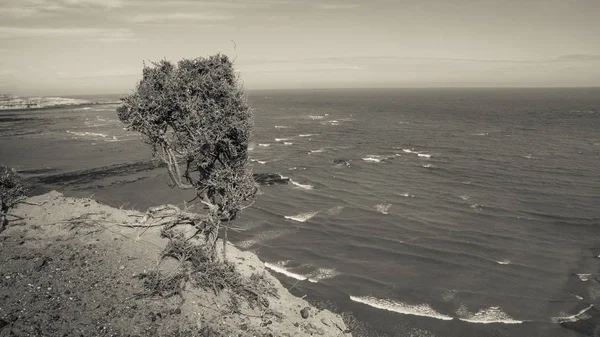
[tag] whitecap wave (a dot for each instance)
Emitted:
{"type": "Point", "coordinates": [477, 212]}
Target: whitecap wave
{"type": "Point", "coordinates": [409, 151]}
{"type": "Point", "coordinates": [317, 151]}
{"type": "Point", "coordinates": [307, 135]}
{"type": "Point", "coordinates": [262, 162]}
{"type": "Point", "coordinates": [374, 158]}
{"type": "Point", "coordinates": [382, 208]}
{"type": "Point", "coordinates": [486, 316]}
{"type": "Point", "coordinates": [264, 144]}
{"type": "Point", "coordinates": [303, 186]}
{"type": "Point", "coordinates": [423, 155]}
{"type": "Point", "coordinates": [282, 270]}
{"type": "Point", "coordinates": [503, 262]}
{"type": "Point", "coordinates": [584, 277]}
{"type": "Point", "coordinates": [407, 195]}
{"type": "Point", "coordinates": [322, 274]}
{"type": "Point", "coordinates": [302, 217]}
{"type": "Point", "coordinates": [316, 117]}
{"type": "Point", "coordinates": [426, 165]}
{"type": "Point", "coordinates": [399, 307]}
{"type": "Point", "coordinates": [87, 134]}
{"type": "Point", "coordinates": [465, 197]}
{"type": "Point", "coordinates": [281, 139]}
{"type": "Point", "coordinates": [288, 143]}
{"type": "Point", "coordinates": [476, 207]}
{"type": "Point", "coordinates": [574, 318]}
{"type": "Point", "coordinates": [281, 127]}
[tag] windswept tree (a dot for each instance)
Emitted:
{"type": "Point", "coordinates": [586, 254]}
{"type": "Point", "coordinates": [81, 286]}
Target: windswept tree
{"type": "Point", "coordinates": [196, 118]}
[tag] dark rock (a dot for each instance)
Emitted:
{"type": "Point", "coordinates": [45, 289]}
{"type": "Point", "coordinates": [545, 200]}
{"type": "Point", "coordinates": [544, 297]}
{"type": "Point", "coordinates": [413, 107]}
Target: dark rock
{"type": "Point", "coordinates": [304, 313]}
{"type": "Point", "coordinates": [267, 179]}
{"type": "Point", "coordinates": [341, 162]}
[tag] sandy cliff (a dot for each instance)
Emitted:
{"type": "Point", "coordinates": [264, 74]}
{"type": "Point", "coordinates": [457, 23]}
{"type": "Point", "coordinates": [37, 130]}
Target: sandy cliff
{"type": "Point", "coordinates": [70, 267]}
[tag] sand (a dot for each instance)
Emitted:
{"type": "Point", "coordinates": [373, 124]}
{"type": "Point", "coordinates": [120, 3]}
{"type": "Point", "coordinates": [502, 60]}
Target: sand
{"type": "Point", "coordinates": [70, 267]}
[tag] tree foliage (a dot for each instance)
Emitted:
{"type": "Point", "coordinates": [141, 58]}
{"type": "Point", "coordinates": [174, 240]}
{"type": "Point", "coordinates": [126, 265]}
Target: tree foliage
{"type": "Point", "coordinates": [196, 118]}
{"type": "Point", "coordinates": [11, 191]}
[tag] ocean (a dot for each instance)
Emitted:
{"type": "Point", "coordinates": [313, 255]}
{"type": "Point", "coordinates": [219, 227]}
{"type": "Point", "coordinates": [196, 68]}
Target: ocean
{"type": "Point", "coordinates": [425, 212]}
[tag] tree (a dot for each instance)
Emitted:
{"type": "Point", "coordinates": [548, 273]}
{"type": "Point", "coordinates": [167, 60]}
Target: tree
{"type": "Point", "coordinates": [11, 191]}
{"type": "Point", "coordinates": [196, 118]}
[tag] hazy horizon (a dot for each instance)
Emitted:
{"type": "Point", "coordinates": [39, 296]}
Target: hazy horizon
{"type": "Point", "coordinates": [76, 47]}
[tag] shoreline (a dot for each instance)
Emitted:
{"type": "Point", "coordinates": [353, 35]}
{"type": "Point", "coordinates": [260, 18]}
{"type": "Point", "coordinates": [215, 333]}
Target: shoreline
{"type": "Point", "coordinates": [14, 103]}
{"type": "Point", "coordinates": [63, 250]}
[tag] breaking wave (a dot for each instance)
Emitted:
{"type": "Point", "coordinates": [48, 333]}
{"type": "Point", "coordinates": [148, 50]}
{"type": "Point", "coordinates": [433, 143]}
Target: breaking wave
{"type": "Point", "coordinates": [303, 186]}
{"type": "Point", "coordinates": [302, 217]}
{"type": "Point", "coordinates": [486, 316]}
{"type": "Point", "coordinates": [383, 208]}
{"type": "Point", "coordinates": [573, 318]}
{"type": "Point", "coordinates": [402, 308]}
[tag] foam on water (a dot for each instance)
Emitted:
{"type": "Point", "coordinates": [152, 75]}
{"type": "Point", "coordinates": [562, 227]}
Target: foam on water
{"type": "Point", "coordinates": [87, 134]}
{"type": "Point", "coordinates": [399, 307]}
{"type": "Point", "coordinates": [322, 274]}
{"type": "Point", "coordinates": [584, 277]}
{"type": "Point", "coordinates": [279, 268]}
{"type": "Point", "coordinates": [383, 208]}
{"type": "Point", "coordinates": [302, 217]}
{"type": "Point", "coordinates": [303, 186]}
{"type": "Point", "coordinates": [573, 318]}
{"type": "Point", "coordinates": [374, 158]}
{"type": "Point", "coordinates": [486, 316]}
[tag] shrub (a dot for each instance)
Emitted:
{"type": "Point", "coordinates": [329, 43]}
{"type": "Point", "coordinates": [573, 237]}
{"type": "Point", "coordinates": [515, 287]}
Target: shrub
{"type": "Point", "coordinates": [196, 118]}
{"type": "Point", "coordinates": [11, 191]}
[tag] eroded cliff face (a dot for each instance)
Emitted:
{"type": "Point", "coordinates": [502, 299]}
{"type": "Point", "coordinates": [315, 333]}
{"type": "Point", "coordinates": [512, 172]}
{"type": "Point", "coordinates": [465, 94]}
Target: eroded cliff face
{"type": "Point", "coordinates": [9, 102]}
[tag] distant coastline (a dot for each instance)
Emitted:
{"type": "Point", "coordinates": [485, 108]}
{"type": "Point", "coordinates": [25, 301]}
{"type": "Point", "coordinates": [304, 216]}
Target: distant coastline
{"type": "Point", "coordinates": [9, 102]}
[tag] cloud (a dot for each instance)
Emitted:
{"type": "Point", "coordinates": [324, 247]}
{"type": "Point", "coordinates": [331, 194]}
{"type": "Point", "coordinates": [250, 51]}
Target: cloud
{"type": "Point", "coordinates": [179, 17]}
{"type": "Point", "coordinates": [579, 57]}
{"type": "Point", "coordinates": [88, 34]}
{"type": "Point", "coordinates": [23, 9]}
{"type": "Point", "coordinates": [336, 6]}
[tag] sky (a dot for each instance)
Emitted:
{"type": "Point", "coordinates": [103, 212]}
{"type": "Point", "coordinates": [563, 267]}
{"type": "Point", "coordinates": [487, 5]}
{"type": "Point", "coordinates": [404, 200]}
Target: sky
{"type": "Point", "coordinates": [52, 47]}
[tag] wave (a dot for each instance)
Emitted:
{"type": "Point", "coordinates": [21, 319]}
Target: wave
{"type": "Point", "coordinates": [262, 162]}
{"type": "Point", "coordinates": [304, 186]}
{"type": "Point", "coordinates": [307, 135]}
{"type": "Point", "coordinates": [486, 316]}
{"type": "Point", "coordinates": [316, 117]}
{"type": "Point", "coordinates": [407, 195]}
{"type": "Point", "coordinates": [573, 318]}
{"type": "Point", "coordinates": [288, 143]}
{"type": "Point", "coordinates": [316, 151]}
{"type": "Point", "coordinates": [302, 217]}
{"type": "Point", "coordinates": [584, 277]}
{"type": "Point", "coordinates": [282, 270]}
{"type": "Point", "coordinates": [87, 134]}
{"type": "Point", "coordinates": [264, 145]}
{"type": "Point", "coordinates": [503, 262]}
{"type": "Point", "coordinates": [426, 166]}
{"type": "Point", "coordinates": [399, 307]}
{"type": "Point", "coordinates": [281, 139]}
{"type": "Point", "coordinates": [423, 155]}
{"type": "Point", "coordinates": [374, 158]}
{"type": "Point", "coordinates": [476, 207]}
{"type": "Point", "coordinates": [281, 127]}
{"type": "Point", "coordinates": [383, 208]}
{"type": "Point", "coordinates": [465, 197]}
{"type": "Point", "coordinates": [322, 274]}
{"type": "Point", "coordinates": [409, 151]}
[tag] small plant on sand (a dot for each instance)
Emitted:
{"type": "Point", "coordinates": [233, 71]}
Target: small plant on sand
{"type": "Point", "coordinates": [11, 191]}
{"type": "Point", "coordinates": [196, 118]}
